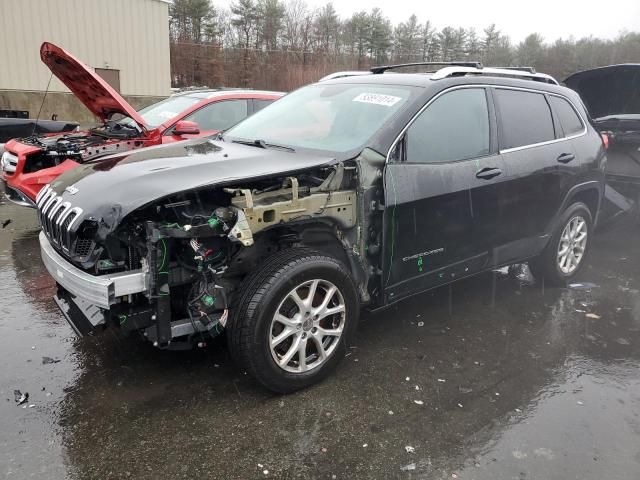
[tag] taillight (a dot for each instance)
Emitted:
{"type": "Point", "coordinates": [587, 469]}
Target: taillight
{"type": "Point", "coordinates": [605, 140]}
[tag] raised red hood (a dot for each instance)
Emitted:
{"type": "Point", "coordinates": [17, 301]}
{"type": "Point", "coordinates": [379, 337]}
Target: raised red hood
{"type": "Point", "coordinates": [97, 95]}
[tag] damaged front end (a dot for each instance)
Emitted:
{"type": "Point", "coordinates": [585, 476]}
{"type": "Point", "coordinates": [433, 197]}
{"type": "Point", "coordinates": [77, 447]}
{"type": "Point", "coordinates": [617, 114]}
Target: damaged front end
{"type": "Point", "coordinates": [172, 269]}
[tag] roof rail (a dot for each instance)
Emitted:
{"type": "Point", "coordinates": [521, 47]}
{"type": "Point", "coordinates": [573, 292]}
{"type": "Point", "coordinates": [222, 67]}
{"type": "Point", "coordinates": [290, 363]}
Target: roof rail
{"type": "Point", "coordinates": [351, 73]}
{"type": "Point", "coordinates": [384, 68]}
{"type": "Point", "coordinates": [495, 72]}
{"type": "Point", "coordinates": [523, 69]}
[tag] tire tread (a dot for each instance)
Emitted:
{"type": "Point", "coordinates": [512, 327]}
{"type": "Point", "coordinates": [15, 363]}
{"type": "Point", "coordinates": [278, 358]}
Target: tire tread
{"type": "Point", "coordinates": [256, 286]}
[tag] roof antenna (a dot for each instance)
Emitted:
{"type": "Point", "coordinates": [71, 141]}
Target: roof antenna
{"type": "Point", "coordinates": [35, 126]}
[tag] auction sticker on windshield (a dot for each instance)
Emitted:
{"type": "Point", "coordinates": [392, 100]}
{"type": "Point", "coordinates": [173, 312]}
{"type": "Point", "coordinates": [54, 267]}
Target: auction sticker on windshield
{"type": "Point", "coordinates": [377, 99]}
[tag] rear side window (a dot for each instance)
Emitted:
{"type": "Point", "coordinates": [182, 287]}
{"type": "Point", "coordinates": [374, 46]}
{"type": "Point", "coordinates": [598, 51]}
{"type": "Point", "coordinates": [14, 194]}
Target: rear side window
{"type": "Point", "coordinates": [525, 118]}
{"type": "Point", "coordinates": [569, 119]}
{"type": "Point", "coordinates": [454, 127]}
{"type": "Point", "coordinates": [260, 104]}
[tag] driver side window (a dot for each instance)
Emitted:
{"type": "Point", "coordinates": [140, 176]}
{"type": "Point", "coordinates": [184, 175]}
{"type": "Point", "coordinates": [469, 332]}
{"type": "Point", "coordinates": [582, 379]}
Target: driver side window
{"type": "Point", "coordinates": [219, 115]}
{"type": "Point", "coordinates": [454, 127]}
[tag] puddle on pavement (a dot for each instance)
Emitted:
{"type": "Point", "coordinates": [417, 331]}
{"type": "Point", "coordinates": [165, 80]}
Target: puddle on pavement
{"type": "Point", "coordinates": [511, 382]}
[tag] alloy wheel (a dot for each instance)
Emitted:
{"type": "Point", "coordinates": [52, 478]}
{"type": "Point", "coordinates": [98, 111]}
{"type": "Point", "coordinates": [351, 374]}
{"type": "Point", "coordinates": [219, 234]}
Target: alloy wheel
{"type": "Point", "coordinates": [572, 245]}
{"type": "Point", "coordinates": [307, 326]}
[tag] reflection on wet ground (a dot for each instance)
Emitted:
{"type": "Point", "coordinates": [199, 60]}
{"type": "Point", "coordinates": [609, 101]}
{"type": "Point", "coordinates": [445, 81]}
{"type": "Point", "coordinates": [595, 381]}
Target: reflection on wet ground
{"type": "Point", "coordinates": [538, 384]}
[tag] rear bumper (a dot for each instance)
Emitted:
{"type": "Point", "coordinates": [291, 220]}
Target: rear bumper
{"type": "Point", "coordinates": [100, 291]}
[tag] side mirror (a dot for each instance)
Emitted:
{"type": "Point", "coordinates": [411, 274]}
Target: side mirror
{"type": "Point", "coordinates": [185, 127]}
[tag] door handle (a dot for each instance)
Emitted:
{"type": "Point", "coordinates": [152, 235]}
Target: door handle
{"type": "Point", "coordinates": [566, 157]}
{"type": "Point", "coordinates": [488, 173]}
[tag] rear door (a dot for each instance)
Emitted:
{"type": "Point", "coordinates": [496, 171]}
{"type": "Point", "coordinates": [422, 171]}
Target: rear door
{"type": "Point", "coordinates": [540, 164]}
{"type": "Point", "coordinates": [429, 183]}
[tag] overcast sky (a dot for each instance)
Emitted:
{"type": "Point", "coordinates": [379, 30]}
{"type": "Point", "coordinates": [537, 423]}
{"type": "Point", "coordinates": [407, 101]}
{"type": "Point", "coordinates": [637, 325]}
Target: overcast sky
{"type": "Point", "coordinates": [551, 18]}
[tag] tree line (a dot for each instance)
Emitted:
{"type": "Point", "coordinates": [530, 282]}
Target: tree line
{"type": "Point", "coordinates": [280, 45]}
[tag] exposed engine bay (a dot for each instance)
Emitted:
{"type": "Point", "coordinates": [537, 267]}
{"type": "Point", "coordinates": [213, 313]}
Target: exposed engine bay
{"type": "Point", "coordinates": [81, 147]}
{"type": "Point", "coordinates": [197, 247]}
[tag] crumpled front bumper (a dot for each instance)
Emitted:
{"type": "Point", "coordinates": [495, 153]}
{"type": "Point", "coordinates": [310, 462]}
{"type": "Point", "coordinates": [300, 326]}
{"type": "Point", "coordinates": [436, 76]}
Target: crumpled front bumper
{"type": "Point", "coordinates": [102, 290]}
{"type": "Point", "coordinates": [82, 297]}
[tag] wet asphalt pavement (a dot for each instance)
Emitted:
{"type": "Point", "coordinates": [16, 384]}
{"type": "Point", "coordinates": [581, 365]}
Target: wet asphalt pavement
{"type": "Point", "coordinates": [515, 382]}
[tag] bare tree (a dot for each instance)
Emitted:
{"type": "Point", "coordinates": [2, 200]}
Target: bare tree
{"type": "Point", "coordinates": [271, 44]}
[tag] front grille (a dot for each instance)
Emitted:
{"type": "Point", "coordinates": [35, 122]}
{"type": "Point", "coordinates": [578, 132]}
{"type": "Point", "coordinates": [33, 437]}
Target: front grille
{"type": "Point", "coordinates": [83, 247]}
{"type": "Point", "coordinates": [56, 219]}
{"type": "Point", "coordinates": [9, 163]}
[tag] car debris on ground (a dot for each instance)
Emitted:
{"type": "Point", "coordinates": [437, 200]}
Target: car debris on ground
{"type": "Point", "coordinates": [47, 360]}
{"type": "Point", "coordinates": [20, 397]}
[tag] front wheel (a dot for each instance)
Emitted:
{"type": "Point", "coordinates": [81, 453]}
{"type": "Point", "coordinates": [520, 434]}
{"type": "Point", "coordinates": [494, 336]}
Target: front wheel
{"type": "Point", "coordinates": [565, 253]}
{"type": "Point", "coordinates": [293, 320]}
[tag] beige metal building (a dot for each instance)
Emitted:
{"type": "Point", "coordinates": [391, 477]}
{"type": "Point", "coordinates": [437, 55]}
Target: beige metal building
{"type": "Point", "coordinates": [126, 41]}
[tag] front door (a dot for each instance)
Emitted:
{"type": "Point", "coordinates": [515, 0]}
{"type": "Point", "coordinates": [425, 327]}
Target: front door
{"type": "Point", "coordinates": [213, 118]}
{"type": "Point", "coordinates": [429, 188]}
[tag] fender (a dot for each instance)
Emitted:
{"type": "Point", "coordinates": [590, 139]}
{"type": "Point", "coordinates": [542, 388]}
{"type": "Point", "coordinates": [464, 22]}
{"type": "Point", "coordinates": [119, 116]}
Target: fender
{"type": "Point", "coordinates": [571, 194]}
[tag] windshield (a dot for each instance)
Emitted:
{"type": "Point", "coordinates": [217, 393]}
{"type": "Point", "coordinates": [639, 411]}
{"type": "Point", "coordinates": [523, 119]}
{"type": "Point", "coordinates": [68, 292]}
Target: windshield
{"type": "Point", "coordinates": [164, 110]}
{"type": "Point", "coordinates": [337, 118]}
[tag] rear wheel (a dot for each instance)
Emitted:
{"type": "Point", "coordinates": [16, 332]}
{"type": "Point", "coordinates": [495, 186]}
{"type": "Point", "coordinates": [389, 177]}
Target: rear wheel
{"type": "Point", "coordinates": [565, 253]}
{"type": "Point", "coordinates": [293, 320]}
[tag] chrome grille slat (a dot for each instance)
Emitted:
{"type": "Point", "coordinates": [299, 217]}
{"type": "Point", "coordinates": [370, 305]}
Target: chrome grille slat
{"type": "Point", "coordinates": [48, 220]}
{"type": "Point", "coordinates": [54, 217]}
{"type": "Point", "coordinates": [42, 193]}
{"type": "Point", "coordinates": [57, 217]}
{"type": "Point", "coordinates": [48, 195]}
{"type": "Point", "coordinates": [66, 207]}
{"type": "Point", "coordinates": [48, 202]}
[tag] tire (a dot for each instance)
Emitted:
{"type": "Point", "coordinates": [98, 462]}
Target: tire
{"type": "Point", "coordinates": [270, 291]}
{"type": "Point", "coordinates": [550, 265]}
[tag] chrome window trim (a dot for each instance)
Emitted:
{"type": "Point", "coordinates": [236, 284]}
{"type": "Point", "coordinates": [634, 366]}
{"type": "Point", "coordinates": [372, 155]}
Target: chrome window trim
{"type": "Point", "coordinates": [576, 111]}
{"type": "Point", "coordinates": [482, 85]}
{"type": "Point", "coordinates": [424, 107]}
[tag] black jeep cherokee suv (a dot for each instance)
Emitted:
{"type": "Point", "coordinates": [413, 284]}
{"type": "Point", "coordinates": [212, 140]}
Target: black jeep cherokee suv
{"type": "Point", "coordinates": [358, 191]}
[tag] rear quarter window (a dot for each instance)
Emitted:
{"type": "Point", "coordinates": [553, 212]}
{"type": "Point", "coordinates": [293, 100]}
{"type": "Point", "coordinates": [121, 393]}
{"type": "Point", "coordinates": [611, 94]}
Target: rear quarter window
{"type": "Point", "coordinates": [259, 104]}
{"type": "Point", "coordinates": [524, 118]}
{"type": "Point", "coordinates": [569, 119]}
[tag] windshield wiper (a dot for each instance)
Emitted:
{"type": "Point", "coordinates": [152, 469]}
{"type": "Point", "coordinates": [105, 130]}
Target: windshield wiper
{"type": "Point", "coordinates": [262, 144]}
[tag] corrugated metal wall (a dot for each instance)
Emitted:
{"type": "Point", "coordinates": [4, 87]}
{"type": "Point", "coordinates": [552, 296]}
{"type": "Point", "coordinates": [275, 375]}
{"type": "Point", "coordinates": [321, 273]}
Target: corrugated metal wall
{"type": "Point", "coordinates": [129, 35]}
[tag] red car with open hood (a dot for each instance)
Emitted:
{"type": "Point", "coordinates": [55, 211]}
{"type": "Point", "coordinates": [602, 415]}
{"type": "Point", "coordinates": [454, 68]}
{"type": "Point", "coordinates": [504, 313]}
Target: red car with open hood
{"type": "Point", "coordinates": [30, 163]}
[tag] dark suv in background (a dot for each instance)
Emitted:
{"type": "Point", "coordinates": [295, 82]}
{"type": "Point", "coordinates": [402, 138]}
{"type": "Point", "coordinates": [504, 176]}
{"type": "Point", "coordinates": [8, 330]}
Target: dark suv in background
{"type": "Point", "coordinates": [356, 191]}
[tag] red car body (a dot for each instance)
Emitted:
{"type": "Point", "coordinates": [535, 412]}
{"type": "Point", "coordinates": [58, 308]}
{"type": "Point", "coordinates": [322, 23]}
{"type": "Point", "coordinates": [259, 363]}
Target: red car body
{"type": "Point", "coordinates": [29, 164]}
